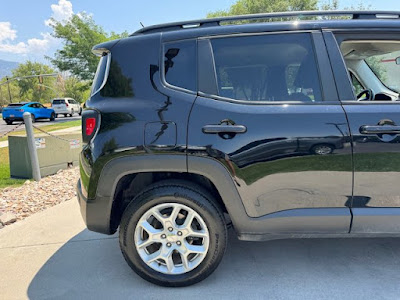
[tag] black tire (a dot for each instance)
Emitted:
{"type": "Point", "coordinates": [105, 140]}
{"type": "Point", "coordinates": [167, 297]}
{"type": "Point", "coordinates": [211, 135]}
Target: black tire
{"type": "Point", "coordinates": [33, 118]}
{"type": "Point", "coordinates": [52, 117]}
{"type": "Point", "coordinates": [322, 149]}
{"type": "Point", "coordinates": [192, 196]}
{"type": "Point", "coordinates": [80, 112]}
{"type": "Point", "coordinates": [8, 122]}
{"type": "Point", "coordinates": [65, 115]}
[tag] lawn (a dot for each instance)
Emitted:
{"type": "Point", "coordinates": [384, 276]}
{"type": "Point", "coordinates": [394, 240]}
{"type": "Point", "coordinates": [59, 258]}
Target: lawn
{"type": "Point", "coordinates": [52, 127]}
{"type": "Point", "coordinates": [5, 179]}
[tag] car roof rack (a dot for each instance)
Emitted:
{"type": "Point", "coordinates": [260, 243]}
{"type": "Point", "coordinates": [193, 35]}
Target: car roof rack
{"type": "Point", "coordinates": [355, 15]}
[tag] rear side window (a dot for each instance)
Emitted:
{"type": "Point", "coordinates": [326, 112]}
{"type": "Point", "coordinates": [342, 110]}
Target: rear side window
{"type": "Point", "coordinates": [180, 64]}
{"type": "Point", "coordinates": [101, 73]}
{"type": "Point", "coordinates": [15, 105]}
{"type": "Point", "coordinates": [58, 101]}
{"type": "Point", "coordinates": [276, 67]}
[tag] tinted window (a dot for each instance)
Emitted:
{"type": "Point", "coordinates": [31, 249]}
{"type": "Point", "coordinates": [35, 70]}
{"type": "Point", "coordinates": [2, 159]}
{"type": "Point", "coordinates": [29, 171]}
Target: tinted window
{"type": "Point", "coordinates": [180, 64]}
{"type": "Point", "coordinates": [267, 68]}
{"type": "Point", "coordinates": [58, 101]}
{"type": "Point", "coordinates": [100, 73]}
{"type": "Point", "coordinates": [14, 105]}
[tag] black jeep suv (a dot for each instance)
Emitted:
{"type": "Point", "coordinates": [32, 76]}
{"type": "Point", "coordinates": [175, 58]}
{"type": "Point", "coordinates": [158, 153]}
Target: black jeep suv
{"type": "Point", "coordinates": [282, 129]}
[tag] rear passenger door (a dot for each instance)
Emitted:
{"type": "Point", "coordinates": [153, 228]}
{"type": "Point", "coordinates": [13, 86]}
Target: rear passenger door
{"type": "Point", "coordinates": [268, 110]}
{"type": "Point", "coordinates": [34, 110]}
{"type": "Point", "coordinates": [44, 113]}
{"type": "Point", "coordinates": [374, 124]}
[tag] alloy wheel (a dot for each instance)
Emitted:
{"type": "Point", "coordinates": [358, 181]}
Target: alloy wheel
{"type": "Point", "coordinates": [172, 238]}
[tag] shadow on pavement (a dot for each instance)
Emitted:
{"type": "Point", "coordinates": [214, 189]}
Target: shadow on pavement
{"type": "Point", "coordinates": [91, 266]}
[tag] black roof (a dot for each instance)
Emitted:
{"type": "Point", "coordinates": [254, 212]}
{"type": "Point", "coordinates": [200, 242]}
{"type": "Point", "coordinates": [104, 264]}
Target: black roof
{"type": "Point", "coordinates": [320, 17]}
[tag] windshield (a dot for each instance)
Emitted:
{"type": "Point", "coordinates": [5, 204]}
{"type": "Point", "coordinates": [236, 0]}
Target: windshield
{"type": "Point", "coordinates": [385, 68]}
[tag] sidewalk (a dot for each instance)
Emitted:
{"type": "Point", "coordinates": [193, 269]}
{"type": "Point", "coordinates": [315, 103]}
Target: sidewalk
{"type": "Point", "coordinates": [65, 130]}
{"type": "Point", "coordinates": [51, 255]}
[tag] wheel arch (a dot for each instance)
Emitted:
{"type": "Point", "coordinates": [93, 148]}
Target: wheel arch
{"type": "Point", "coordinates": [132, 173]}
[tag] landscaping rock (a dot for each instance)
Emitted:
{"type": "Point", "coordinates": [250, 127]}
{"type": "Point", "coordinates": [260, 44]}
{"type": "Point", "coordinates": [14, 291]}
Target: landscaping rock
{"type": "Point", "coordinates": [35, 196]}
{"type": "Point", "coordinates": [7, 218]}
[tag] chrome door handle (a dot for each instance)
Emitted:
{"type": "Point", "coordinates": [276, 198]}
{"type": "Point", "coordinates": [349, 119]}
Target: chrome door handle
{"type": "Point", "coordinates": [224, 128]}
{"type": "Point", "coordinates": [380, 129]}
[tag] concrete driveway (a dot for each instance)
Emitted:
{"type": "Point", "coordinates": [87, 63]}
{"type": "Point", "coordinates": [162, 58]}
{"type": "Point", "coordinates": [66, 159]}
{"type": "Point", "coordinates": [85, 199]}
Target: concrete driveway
{"type": "Point", "coordinates": [51, 255]}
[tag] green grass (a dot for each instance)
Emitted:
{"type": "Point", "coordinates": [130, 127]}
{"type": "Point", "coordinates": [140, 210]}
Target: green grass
{"type": "Point", "coordinates": [5, 180]}
{"type": "Point", "coordinates": [52, 127]}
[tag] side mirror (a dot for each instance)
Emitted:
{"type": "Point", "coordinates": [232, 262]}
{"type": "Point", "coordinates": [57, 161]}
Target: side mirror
{"type": "Point", "coordinates": [398, 61]}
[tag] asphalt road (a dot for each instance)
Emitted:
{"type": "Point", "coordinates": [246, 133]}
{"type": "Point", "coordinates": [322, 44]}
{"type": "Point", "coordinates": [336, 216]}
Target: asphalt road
{"type": "Point", "coordinates": [4, 127]}
{"type": "Point", "coordinates": [52, 256]}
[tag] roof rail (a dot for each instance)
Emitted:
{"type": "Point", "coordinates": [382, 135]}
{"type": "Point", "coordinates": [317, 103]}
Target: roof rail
{"type": "Point", "coordinates": [292, 14]}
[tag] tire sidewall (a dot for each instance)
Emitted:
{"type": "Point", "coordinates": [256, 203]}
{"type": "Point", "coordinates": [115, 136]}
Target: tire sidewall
{"type": "Point", "coordinates": [209, 213]}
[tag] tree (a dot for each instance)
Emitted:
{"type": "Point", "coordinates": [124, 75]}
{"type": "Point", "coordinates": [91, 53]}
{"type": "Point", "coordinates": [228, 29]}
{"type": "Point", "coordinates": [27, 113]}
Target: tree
{"type": "Point", "coordinates": [79, 35]}
{"type": "Point", "coordinates": [14, 91]}
{"type": "Point", "coordinates": [242, 7]}
{"type": "Point", "coordinates": [335, 5]}
{"type": "Point", "coordinates": [34, 89]}
{"type": "Point", "coordinates": [72, 87]}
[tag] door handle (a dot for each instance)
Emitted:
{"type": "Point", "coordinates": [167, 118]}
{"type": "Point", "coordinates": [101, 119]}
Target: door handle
{"type": "Point", "coordinates": [224, 128]}
{"type": "Point", "coordinates": [380, 129]}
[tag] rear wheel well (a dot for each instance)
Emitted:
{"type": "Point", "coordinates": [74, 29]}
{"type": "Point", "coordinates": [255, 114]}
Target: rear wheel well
{"type": "Point", "coordinates": [129, 186]}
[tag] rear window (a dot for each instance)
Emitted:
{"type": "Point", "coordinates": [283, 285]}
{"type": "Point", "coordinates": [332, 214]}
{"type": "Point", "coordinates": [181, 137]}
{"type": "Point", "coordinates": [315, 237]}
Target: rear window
{"type": "Point", "coordinates": [15, 105]}
{"type": "Point", "coordinates": [180, 64]}
{"type": "Point", "coordinates": [101, 76]}
{"type": "Point", "coordinates": [59, 101]}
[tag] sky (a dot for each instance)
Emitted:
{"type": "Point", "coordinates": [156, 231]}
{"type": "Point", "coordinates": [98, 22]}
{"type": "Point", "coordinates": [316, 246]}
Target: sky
{"type": "Point", "coordinates": [25, 33]}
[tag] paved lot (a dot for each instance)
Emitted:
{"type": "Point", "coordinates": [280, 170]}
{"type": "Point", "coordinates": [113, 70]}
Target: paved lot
{"type": "Point", "coordinates": [51, 255]}
{"type": "Point", "coordinates": [4, 127]}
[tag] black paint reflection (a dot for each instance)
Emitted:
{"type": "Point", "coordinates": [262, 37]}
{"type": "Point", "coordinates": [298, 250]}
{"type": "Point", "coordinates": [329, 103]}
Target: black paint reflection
{"type": "Point", "coordinates": [118, 85]}
{"type": "Point", "coordinates": [272, 149]}
{"type": "Point", "coordinates": [113, 120]}
{"type": "Point", "coordinates": [290, 157]}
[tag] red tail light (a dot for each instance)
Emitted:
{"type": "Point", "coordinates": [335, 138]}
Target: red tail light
{"type": "Point", "coordinates": [90, 125]}
{"type": "Point", "coordinates": [21, 110]}
{"type": "Point", "coordinates": [66, 104]}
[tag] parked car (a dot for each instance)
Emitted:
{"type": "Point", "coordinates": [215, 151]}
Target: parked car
{"type": "Point", "coordinates": [66, 106]}
{"type": "Point", "coordinates": [14, 112]}
{"type": "Point", "coordinates": [250, 125]}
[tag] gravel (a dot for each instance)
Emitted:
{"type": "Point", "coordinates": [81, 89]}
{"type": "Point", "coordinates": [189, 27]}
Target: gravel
{"type": "Point", "coordinates": [35, 196]}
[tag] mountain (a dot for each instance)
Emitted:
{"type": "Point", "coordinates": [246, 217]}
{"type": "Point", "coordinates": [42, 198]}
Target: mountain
{"type": "Point", "coordinates": [6, 67]}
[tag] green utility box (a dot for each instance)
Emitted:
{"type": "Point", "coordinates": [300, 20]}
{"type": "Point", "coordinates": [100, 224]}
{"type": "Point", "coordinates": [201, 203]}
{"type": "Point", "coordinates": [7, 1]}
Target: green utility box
{"type": "Point", "coordinates": [54, 154]}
